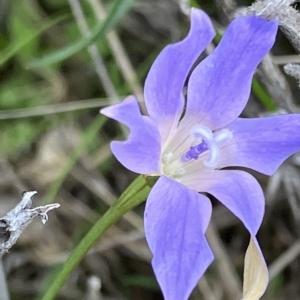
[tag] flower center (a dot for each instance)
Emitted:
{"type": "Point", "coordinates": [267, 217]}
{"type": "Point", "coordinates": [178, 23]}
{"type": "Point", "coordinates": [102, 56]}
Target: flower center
{"type": "Point", "coordinates": [208, 142]}
{"type": "Point", "coordinates": [205, 142]}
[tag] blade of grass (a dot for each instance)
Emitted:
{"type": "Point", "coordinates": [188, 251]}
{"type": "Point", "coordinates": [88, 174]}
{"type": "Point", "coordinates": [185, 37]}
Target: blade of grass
{"type": "Point", "coordinates": [135, 194]}
{"type": "Point", "coordinates": [93, 50]}
{"type": "Point", "coordinates": [119, 53]}
{"type": "Point", "coordinates": [263, 96]}
{"type": "Point", "coordinates": [117, 11]}
{"type": "Point", "coordinates": [16, 46]}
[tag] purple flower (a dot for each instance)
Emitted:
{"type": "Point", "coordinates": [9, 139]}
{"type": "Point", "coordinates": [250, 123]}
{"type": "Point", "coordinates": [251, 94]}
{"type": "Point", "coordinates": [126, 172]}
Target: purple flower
{"type": "Point", "coordinates": [188, 143]}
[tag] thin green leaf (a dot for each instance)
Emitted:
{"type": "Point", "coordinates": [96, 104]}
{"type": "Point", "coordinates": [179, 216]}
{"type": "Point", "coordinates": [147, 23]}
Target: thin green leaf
{"type": "Point", "coordinates": [263, 96]}
{"type": "Point", "coordinates": [117, 11]}
{"type": "Point", "coordinates": [135, 194]}
{"type": "Point", "coordinates": [16, 46]}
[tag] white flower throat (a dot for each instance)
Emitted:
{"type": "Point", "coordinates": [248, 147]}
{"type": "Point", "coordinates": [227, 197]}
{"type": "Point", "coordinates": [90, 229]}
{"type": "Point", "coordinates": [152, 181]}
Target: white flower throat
{"type": "Point", "coordinates": [205, 147]}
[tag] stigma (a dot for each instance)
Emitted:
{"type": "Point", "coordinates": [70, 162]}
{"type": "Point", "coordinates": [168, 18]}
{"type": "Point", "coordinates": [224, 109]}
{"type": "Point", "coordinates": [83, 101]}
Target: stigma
{"type": "Point", "coordinates": [207, 142]}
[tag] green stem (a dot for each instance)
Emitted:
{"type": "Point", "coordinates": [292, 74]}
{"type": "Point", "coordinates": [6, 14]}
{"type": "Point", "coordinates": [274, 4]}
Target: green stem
{"type": "Point", "coordinates": [133, 195]}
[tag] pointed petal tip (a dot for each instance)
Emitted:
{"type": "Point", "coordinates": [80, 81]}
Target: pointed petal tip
{"type": "Point", "coordinates": [140, 153]}
{"type": "Point", "coordinates": [111, 110]}
{"type": "Point", "coordinates": [103, 110]}
{"type": "Point", "coordinates": [166, 78]}
{"type": "Point", "coordinates": [198, 16]}
{"type": "Point", "coordinates": [262, 24]}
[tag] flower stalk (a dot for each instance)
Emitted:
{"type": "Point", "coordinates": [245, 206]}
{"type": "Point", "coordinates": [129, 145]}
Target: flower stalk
{"type": "Point", "coordinates": [135, 194]}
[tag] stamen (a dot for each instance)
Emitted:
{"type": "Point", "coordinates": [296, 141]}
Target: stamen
{"type": "Point", "coordinates": [167, 157]}
{"type": "Point", "coordinates": [194, 152]}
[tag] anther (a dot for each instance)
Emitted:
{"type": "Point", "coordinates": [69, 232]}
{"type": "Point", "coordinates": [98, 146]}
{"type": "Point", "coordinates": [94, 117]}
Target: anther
{"type": "Point", "coordinates": [167, 157]}
{"type": "Point", "coordinates": [194, 152]}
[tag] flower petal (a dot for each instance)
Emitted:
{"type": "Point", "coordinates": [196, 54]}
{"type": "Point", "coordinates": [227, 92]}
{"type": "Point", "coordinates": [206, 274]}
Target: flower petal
{"type": "Point", "coordinates": [175, 221]}
{"type": "Point", "coordinates": [237, 190]}
{"type": "Point", "coordinates": [262, 144]}
{"type": "Point", "coordinates": [219, 87]}
{"type": "Point", "coordinates": [256, 275]}
{"type": "Point", "coordinates": [164, 83]}
{"type": "Point", "coordinates": [140, 153]}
